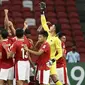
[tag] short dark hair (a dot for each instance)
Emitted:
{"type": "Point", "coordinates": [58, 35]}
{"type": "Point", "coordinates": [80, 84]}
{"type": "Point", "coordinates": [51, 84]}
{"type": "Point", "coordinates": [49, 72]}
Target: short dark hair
{"type": "Point", "coordinates": [44, 33]}
{"type": "Point", "coordinates": [1, 28]}
{"type": "Point", "coordinates": [61, 34]}
{"type": "Point", "coordinates": [27, 31]}
{"type": "Point", "coordinates": [57, 28]}
{"type": "Point", "coordinates": [19, 32]}
{"type": "Point", "coordinates": [4, 33]}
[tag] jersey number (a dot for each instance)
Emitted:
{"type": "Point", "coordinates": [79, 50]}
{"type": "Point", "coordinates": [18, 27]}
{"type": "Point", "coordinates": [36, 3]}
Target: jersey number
{"type": "Point", "coordinates": [23, 53]}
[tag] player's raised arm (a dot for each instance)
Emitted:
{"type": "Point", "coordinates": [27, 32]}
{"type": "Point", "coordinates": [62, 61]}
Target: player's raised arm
{"type": "Point", "coordinates": [12, 27]}
{"type": "Point", "coordinates": [43, 19]}
{"type": "Point", "coordinates": [7, 23]}
{"type": "Point", "coordinates": [6, 19]}
{"type": "Point", "coordinates": [25, 26]}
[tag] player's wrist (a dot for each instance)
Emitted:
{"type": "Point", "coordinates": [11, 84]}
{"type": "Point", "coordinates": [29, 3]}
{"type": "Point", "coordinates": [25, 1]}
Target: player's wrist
{"type": "Point", "coordinates": [50, 62]}
{"type": "Point", "coordinates": [53, 60]}
{"type": "Point", "coordinates": [42, 12]}
{"type": "Point", "coordinates": [27, 50]}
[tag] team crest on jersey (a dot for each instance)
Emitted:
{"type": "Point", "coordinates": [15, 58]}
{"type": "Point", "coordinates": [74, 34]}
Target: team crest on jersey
{"type": "Point", "coordinates": [44, 46]}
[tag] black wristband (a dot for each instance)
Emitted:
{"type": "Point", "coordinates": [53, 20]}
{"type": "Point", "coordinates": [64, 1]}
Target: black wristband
{"type": "Point", "coordinates": [42, 11]}
{"type": "Point", "coordinates": [53, 60]}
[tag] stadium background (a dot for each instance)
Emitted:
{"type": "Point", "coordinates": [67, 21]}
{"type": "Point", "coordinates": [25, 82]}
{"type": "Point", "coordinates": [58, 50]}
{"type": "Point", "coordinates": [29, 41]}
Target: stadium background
{"type": "Point", "coordinates": [69, 13]}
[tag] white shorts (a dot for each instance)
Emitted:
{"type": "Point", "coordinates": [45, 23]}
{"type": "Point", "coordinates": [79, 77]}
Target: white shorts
{"type": "Point", "coordinates": [7, 74]}
{"type": "Point", "coordinates": [43, 76]}
{"type": "Point", "coordinates": [22, 70]}
{"type": "Point", "coordinates": [62, 72]}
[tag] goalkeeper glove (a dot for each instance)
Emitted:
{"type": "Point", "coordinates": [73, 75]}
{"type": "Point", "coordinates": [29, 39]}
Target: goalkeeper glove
{"type": "Point", "coordinates": [42, 7]}
{"type": "Point", "coordinates": [50, 62]}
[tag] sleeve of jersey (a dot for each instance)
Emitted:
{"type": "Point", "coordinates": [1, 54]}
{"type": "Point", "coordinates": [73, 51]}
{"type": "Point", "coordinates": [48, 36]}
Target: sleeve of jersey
{"type": "Point", "coordinates": [59, 49]}
{"type": "Point", "coordinates": [44, 23]}
{"type": "Point", "coordinates": [44, 47]}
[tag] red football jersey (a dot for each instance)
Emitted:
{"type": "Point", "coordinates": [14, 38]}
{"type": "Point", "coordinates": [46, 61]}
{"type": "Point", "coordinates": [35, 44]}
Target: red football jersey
{"type": "Point", "coordinates": [44, 58]}
{"type": "Point", "coordinates": [4, 47]}
{"type": "Point", "coordinates": [18, 49]}
{"type": "Point", "coordinates": [28, 40]}
{"type": "Point", "coordinates": [64, 47]}
{"type": "Point", "coordinates": [62, 61]}
{"type": "Point", "coordinates": [12, 39]}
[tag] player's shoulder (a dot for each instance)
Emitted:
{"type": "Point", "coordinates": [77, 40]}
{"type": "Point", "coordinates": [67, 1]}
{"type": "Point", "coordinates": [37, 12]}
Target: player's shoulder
{"type": "Point", "coordinates": [6, 41]}
{"type": "Point", "coordinates": [46, 45]}
{"type": "Point", "coordinates": [16, 42]}
{"type": "Point", "coordinates": [56, 39]}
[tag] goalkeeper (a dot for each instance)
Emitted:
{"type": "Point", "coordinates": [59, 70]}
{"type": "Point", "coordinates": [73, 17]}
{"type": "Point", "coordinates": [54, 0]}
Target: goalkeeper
{"type": "Point", "coordinates": [55, 44]}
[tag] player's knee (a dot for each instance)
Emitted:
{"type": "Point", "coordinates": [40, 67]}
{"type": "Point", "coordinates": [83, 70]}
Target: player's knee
{"type": "Point", "coordinates": [19, 82]}
{"type": "Point", "coordinates": [54, 78]}
{"type": "Point", "coordinates": [10, 82]}
{"type": "Point", "coordinates": [1, 82]}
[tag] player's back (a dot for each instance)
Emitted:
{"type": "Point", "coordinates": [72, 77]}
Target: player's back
{"type": "Point", "coordinates": [5, 63]}
{"type": "Point", "coordinates": [20, 53]}
{"type": "Point", "coordinates": [12, 39]}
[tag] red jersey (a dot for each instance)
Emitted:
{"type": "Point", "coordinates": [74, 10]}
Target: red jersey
{"type": "Point", "coordinates": [28, 40]}
{"type": "Point", "coordinates": [44, 58]}
{"type": "Point", "coordinates": [4, 47]}
{"type": "Point", "coordinates": [62, 61]}
{"type": "Point", "coordinates": [12, 39]}
{"type": "Point", "coordinates": [19, 51]}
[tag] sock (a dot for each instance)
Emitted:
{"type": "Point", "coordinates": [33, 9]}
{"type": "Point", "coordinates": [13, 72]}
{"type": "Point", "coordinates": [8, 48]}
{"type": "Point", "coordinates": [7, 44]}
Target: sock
{"type": "Point", "coordinates": [58, 83]}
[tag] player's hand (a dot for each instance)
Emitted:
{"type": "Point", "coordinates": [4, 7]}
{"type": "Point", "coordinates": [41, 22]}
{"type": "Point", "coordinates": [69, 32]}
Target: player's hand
{"type": "Point", "coordinates": [50, 62]}
{"type": "Point", "coordinates": [25, 47]}
{"type": "Point", "coordinates": [25, 24]}
{"type": "Point", "coordinates": [10, 24]}
{"type": "Point", "coordinates": [42, 5]}
{"type": "Point", "coordinates": [39, 41]}
{"type": "Point", "coordinates": [6, 11]}
{"type": "Point", "coordinates": [40, 28]}
{"type": "Point", "coordinates": [8, 55]}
